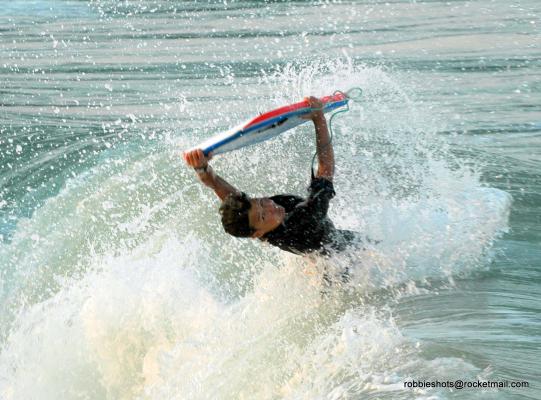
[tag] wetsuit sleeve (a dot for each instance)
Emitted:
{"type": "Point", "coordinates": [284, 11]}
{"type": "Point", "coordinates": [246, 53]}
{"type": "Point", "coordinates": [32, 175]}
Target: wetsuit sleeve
{"type": "Point", "coordinates": [321, 191]}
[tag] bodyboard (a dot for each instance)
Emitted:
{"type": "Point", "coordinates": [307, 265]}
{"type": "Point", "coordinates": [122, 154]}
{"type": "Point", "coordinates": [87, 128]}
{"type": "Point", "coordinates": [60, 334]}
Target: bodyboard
{"type": "Point", "coordinates": [267, 125]}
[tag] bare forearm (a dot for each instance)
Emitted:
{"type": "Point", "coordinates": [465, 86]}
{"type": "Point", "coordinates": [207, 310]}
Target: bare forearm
{"type": "Point", "coordinates": [216, 183]}
{"type": "Point", "coordinates": [325, 152]}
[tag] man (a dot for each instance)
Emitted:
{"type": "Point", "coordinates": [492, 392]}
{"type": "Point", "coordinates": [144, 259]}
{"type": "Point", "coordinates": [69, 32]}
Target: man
{"type": "Point", "coordinates": [293, 224]}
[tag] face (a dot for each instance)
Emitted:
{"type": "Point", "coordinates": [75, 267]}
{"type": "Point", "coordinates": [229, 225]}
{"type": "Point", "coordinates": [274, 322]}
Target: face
{"type": "Point", "coordinates": [265, 215]}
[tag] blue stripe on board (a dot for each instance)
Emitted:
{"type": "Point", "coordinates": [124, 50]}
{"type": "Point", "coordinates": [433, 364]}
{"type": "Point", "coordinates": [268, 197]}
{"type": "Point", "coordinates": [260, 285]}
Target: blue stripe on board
{"type": "Point", "coordinates": [283, 117]}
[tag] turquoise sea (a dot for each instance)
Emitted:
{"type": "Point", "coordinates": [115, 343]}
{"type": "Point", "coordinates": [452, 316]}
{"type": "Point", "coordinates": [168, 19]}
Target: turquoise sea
{"type": "Point", "coordinates": [116, 278]}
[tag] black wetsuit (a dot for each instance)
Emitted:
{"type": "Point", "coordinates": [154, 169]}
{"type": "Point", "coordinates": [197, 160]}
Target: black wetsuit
{"type": "Point", "coordinates": [306, 227]}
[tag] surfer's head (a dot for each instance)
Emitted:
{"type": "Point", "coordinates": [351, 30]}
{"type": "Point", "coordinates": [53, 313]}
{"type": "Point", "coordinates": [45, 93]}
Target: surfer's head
{"type": "Point", "coordinates": [245, 217]}
{"type": "Point", "coordinates": [234, 211]}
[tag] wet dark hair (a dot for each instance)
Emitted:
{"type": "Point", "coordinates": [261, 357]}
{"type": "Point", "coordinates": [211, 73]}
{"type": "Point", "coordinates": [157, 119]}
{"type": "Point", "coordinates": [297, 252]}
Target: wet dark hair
{"type": "Point", "coordinates": [234, 212]}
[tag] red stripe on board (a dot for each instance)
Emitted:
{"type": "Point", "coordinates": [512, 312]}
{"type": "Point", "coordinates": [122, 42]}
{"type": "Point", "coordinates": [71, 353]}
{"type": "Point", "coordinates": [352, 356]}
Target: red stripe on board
{"type": "Point", "coordinates": [293, 107]}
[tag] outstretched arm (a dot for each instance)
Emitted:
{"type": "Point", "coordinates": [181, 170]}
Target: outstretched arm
{"type": "Point", "coordinates": [206, 174]}
{"type": "Point", "coordinates": [325, 152]}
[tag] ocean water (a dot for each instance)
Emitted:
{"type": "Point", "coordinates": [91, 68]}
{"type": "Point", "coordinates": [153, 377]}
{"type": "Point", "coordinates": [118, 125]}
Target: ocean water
{"type": "Point", "coordinates": [116, 278]}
